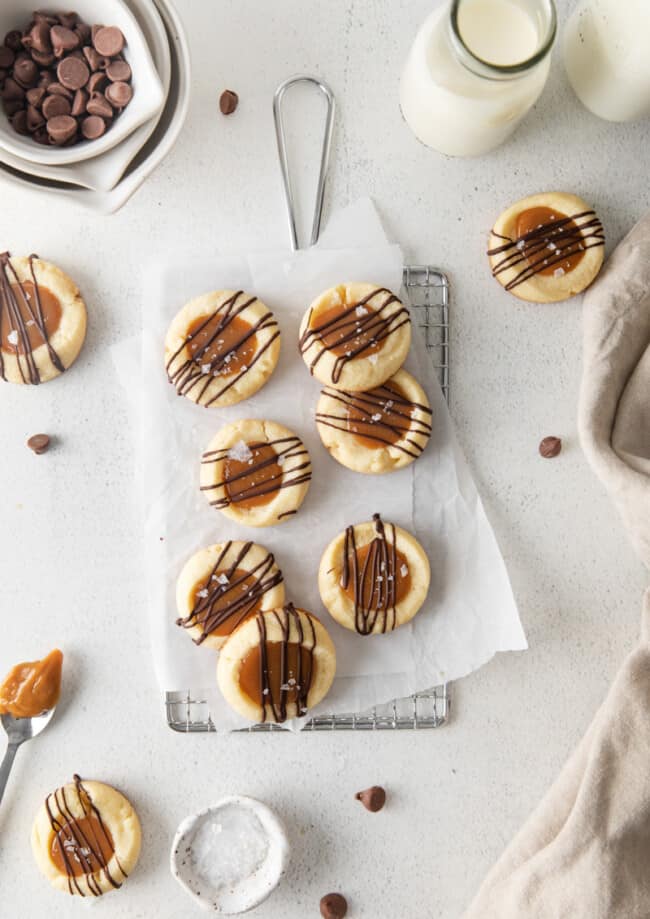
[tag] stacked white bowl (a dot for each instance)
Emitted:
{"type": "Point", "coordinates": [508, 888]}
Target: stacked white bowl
{"type": "Point", "coordinates": [102, 174]}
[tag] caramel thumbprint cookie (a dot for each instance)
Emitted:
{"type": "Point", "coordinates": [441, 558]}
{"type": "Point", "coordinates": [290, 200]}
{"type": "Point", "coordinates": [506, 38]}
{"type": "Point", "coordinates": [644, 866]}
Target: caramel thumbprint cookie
{"type": "Point", "coordinates": [256, 472]}
{"type": "Point", "coordinates": [277, 665]}
{"type": "Point", "coordinates": [374, 577]}
{"type": "Point", "coordinates": [86, 838]}
{"type": "Point", "coordinates": [377, 431]}
{"type": "Point", "coordinates": [547, 247]}
{"type": "Point", "coordinates": [42, 320]}
{"type": "Point", "coordinates": [223, 585]}
{"type": "Point", "coordinates": [222, 347]}
{"type": "Point", "coordinates": [355, 336]}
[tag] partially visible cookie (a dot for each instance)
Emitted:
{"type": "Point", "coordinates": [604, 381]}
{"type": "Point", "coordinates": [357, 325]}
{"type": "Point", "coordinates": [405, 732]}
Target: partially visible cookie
{"type": "Point", "coordinates": [374, 577]}
{"type": "Point", "coordinates": [86, 838]}
{"type": "Point", "coordinates": [42, 320]}
{"type": "Point", "coordinates": [256, 472]}
{"type": "Point", "coordinates": [355, 336]}
{"type": "Point", "coordinates": [547, 247]}
{"type": "Point", "coordinates": [222, 347]}
{"type": "Point", "coordinates": [277, 665]}
{"type": "Point", "coordinates": [376, 431]}
{"type": "Point", "coordinates": [223, 585]}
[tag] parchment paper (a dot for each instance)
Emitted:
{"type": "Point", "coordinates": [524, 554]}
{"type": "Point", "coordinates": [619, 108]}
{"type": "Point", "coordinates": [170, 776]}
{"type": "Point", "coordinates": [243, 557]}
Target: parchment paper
{"type": "Point", "coordinates": [470, 613]}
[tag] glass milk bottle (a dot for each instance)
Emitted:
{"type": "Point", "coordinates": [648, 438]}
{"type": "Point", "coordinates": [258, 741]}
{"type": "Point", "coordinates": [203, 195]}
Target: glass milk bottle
{"type": "Point", "coordinates": [607, 57]}
{"type": "Point", "coordinates": [475, 69]}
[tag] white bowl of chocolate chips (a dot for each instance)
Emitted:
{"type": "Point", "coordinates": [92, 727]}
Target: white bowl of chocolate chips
{"type": "Point", "coordinates": [73, 84]}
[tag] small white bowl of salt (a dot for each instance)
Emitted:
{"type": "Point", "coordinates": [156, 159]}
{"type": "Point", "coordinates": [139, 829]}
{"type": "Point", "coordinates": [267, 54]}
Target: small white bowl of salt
{"type": "Point", "coordinates": [231, 856]}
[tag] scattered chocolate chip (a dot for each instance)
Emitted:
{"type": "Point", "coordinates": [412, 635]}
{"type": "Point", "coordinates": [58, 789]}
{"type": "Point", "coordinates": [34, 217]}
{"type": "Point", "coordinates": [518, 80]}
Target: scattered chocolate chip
{"type": "Point", "coordinates": [108, 41]}
{"type": "Point", "coordinates": [39, 443]}
{"type": "Point", "coordinates": [118, 72]}
{"type": "Point", "coordinates": [373, 799]}
{"type": "Point", "coordinates": [99, 105]}
{"type": "Point", "coordinates": [72, 73]}
{"type": "Point", "coordinates": [333, 906]}
{"type": "Point", "coordinates": [61, 129]}
{"type": "Point", "coordinates": [119, 94]}
{"type": "Point", "coordinates": [56, 105]}
{"type": "Point", "coordinates": [63, 40]}
{"type": "Point", "coordinates": [550, 447]}
{"type": "Point", "coordinates": [228, 102]}
{"type": "Point", "coordinates": [93, 127]}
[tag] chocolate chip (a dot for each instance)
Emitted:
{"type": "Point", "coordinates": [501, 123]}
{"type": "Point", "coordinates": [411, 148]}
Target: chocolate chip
{"type": "Point", "coordinates": [19, 122]}
{"type": "Point", "coordinates": [99, 105]}
{"type": "Point", "coordinates": [61, 129]}
{"type": "Point", "coordinates": [7, 57]}
{"type": "Point", "coordinates": [41, 137]}
{"type": "Point", "coordinates": [11, 90]}
{"type": "Point", "coordinates": [34, 118]}
{"type": "Point", "coordinates": [94, 30]}
{"type": "Point", "coordinates": [333, 906]}
{"type": "Point", "coordinates": [119, 94]}
{"type": "Point", "coordinates": [39, 443]}
{"type": "Point", "coordinates": [228, 102]}
{"type": "Point", "coordinates": [56, 105]}
{"type": "Point", "coordinates": [13, 40]}
{"type": "Point", "coordinates": [79, 103]}
{"type": "Point", "coordinates": [36, 95]}
{"type": "Point", "coordinates": [46, 79]}
{"type": "Point", "coordinates": [43, 58]}
{"type": "Point", "coordinates": [69, 20]}
{"type": "Point", "coordinates": [39, 37]}
{"type": "Point", "coordinates": [11, 106]}
{"type": "Point", "coordinates": [93, 127]}
{"type": "Point", "coordinates": [550, 447]}
{"type": "Point", "coordinates": [97, 82]}
{"type": "Point", "coordinates": [95, 61]}
{"type": "Point", "coordinates": [26, 72]}
{"type": "Point", "coordinates": [373, 799]}
{"type": "Point", "coordinates": [58, 90]}
{"type": "Point", "coordinates": [83, 31]}
{"type": "Point", "coordinates": [108, 41]}
{"type": "Point", "coordinates": [72, 73]}
{"type": "Point", "coordinates": [63, 40]}
{"type": "Point", "coordinates": [118, 72]}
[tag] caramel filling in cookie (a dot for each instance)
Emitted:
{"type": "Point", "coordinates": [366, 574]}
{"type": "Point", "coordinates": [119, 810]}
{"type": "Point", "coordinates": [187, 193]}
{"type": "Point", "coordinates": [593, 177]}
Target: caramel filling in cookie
{"type": "Point", "coordinates": [254, 481]}
{"type": "Point", "coordinates": [227, 348]}
{"type": "Point", "coordinates": [82, 846]}
{"type": "Point", "coordinates": [31, 316]}
{"type": "Point", "coordinates": [350, 331]}
{"type": "Point", "coordinates": [280, 669]}
{"type": "Point", "coordinates": [376, 577]}
{"type": "Point", "coordinates": [547, 242]}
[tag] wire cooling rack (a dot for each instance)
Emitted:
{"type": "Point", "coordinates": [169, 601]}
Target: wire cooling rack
{"type": "Point", "coordinates": [427, 291]}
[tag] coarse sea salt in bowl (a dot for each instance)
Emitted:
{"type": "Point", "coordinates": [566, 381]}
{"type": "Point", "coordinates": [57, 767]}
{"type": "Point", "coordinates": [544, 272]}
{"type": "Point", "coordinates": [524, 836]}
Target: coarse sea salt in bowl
{"type": "Point", "coordinates": [231, 856]}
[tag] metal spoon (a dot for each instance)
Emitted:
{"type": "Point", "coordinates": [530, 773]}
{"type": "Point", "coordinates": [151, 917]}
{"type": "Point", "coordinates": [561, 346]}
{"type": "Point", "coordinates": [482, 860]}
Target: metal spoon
{"type": "Point", "coordinates": [18, 731]}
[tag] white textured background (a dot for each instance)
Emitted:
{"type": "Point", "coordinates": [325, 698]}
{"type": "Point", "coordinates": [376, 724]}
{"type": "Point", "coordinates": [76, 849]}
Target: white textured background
{"type": "Point", "coordinates": [70, 542]}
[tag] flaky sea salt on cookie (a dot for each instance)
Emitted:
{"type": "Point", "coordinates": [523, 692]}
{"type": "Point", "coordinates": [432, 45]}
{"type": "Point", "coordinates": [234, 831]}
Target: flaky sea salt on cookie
{"type": "Point", "coordinates": [222, 347]}
{"type": "Point", "coordinates": [42, 320]}
{"type": "Point", "coordinates": [355, 336]}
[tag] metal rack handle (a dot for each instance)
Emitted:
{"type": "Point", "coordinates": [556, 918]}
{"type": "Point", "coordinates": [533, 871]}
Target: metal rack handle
{"type": "Point", "coordinates": [278, 99]}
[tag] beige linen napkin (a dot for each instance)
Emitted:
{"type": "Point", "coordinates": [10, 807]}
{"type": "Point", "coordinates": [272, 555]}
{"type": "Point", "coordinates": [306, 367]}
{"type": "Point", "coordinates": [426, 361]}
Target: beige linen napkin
{"type": "Point", "coordinates": [585, 851]}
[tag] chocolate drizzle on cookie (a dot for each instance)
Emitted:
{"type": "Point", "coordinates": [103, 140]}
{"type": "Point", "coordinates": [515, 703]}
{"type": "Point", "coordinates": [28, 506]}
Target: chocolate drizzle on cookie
{"type": "Point", "coordinates": [207, 365]}
{"type": "Point", "coordinates": [381, 416]}
{"type": "Point", "coordinates": [353, 331]}
{"type": "Point", "coordinates": [231, 593]}
{"type": "Point", "coordinates": [374, 573]}
{"type": "Point", "coordinates": [18, 315]}
{"type": "Point", "coordinates": [82, 845]}
{"type": "Point", "coordinates": [271, 466]}
{"type": "Point", "coordinates": [543, 249]}
{"type": "Point", "coordinates": [289, 676]}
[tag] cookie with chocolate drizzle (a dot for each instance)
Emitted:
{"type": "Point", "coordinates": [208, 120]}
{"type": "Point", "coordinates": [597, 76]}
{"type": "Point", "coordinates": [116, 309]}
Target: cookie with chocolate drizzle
{"type": "Point", "coordinates": [86, 838]}
{"type": "Point", "coordinates": [374, 577]}
{"type": "Point", "coordinates": [256, 472]}
{"type": "Point", "coordinates": [222, 586]}
{"type": "Point", "coordinates": [547, 247]}
{"type": "Point", "coordinates": [377, 431]}
{"type": "Point", "coordinates": [42, 320]}
{"type": "Point", "coordinates": [222, 347]}
{"type": "Point", "coordinates": [355, 336]}
{"type": "Point", "coordinates": [277, 665]}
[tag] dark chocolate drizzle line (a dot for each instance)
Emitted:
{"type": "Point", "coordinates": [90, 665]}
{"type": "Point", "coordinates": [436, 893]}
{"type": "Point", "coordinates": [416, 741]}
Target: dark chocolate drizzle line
{"type": "Point", "coordinates": [291, 448]}
{"type": "Point", "coordinates": [379, 572]}
{"type": "Point", "coordinates": [375, 324]}
{"type": "Point", "coordinates": [525, 249]}
{"type": "Point", "coordinates": [211, 612]}
{"type": "Point", "coordinates": [285, 617]}
{"type": "Point", "coordinates": [383, 401]}
{"type": "Point", "coordinates": [10, 307]}
{"type": "Point", "coordinates": [188, 374]}
{"type": "Point", "coordinates": [86, 848]}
